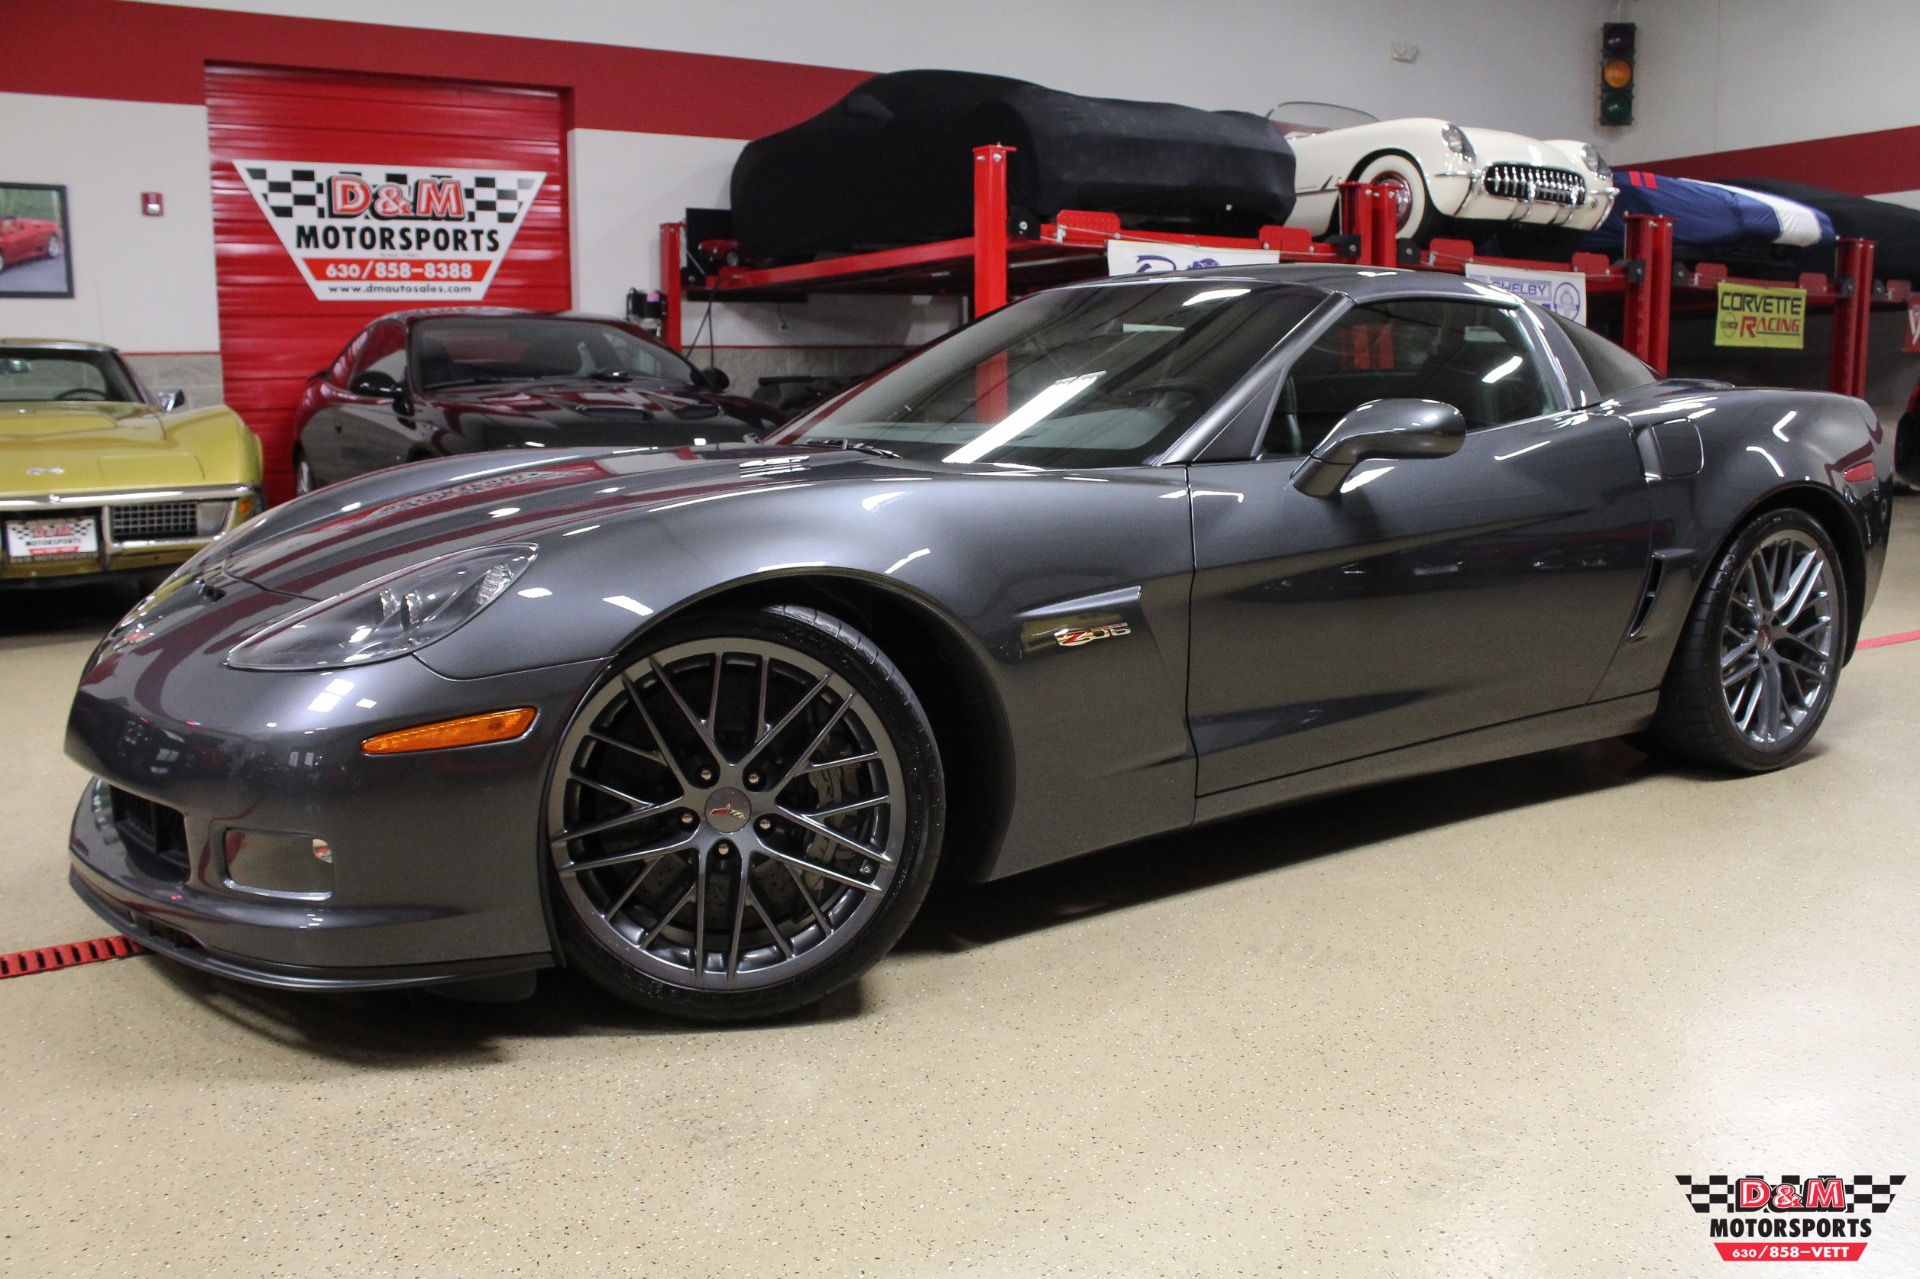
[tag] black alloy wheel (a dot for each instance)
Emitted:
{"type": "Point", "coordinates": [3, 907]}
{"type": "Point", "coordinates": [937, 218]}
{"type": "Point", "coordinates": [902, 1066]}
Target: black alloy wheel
{"type": "Point", "coordinates": [1756, 669]}
{"type": "Point", "coordinates": [744, 816]}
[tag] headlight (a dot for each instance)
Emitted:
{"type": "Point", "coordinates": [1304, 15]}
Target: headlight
{"type": "Point", "coordinates": [1596, 161]}
{"type": "Point", "coordinates": [389, 617]}
{"type": "Point", "coordinates": [1456, 139]}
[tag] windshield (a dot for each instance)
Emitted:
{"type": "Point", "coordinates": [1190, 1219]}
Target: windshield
{"type": "Point", "coordinates": [471, 350]}
{"type": "Point", "coordinates": [1079, 377]}
{"type": "Point", "coordinates": [35, 374]}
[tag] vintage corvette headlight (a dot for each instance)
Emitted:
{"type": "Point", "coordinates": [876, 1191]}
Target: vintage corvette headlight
{"type": "Point", "coordinates": [1595, 161]}
{"type": "Point", "coordinates": [388, 617]}
{"type": "Point", "coordinates": [1456, 139]}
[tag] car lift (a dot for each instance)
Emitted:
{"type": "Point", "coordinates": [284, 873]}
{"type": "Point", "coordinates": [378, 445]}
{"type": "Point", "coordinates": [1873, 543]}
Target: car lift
{"type": "Point", "coordinates": [991, 266]}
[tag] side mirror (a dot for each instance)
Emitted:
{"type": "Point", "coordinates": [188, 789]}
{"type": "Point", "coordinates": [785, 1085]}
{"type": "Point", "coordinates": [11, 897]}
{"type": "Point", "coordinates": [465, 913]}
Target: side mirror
{"type": "Point", "coordinates": [715, 379]}
{"type": "Point", "coordinates": [172, 401]}
{"type": "Point", "coordinates": [1380, 428]}
{"type": "Point", "coordinates": [376, 385]}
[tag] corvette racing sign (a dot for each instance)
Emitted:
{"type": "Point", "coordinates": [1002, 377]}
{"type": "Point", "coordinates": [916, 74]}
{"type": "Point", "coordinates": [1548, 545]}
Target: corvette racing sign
{"type": "Point", "coordinates": [384, 231]}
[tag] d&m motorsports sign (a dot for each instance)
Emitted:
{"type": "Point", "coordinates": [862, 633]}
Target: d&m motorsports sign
{"type": "Point", "coordinates": [377, 231]}
{"type": "Point", "coordinates": [1750, 315]}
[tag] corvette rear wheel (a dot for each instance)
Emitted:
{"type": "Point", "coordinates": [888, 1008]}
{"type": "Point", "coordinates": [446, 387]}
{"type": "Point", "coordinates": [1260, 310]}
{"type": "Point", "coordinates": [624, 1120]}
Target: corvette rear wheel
{"type": "Point", "coordinates": [744, 816]}
{"type": "Point", "coordinates": [54, 247]}
{"type": "Point", "coordinates": [1755, 672]}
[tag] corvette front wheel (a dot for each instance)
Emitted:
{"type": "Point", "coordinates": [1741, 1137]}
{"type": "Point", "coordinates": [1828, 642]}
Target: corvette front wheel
{"type": "Point", "coordinates": [744, 816]}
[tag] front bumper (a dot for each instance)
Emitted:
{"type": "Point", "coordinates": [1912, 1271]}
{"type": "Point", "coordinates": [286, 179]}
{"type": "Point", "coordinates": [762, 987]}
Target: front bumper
{"type": "Point", "coordinates": [438, 873]}
{"type": "Point", "coordinates": [133, 535]}
{"type": "Point", "coordinates": [1463, 194]}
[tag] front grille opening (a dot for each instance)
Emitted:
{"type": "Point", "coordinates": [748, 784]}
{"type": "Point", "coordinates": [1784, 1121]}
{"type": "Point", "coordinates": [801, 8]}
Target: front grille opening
{"type": "Point", "coordinates": [1535, 183]}
{"type": "Point", "coordinates": [155, 836]}
{"type": "Point", "coordinates": [152, 520]}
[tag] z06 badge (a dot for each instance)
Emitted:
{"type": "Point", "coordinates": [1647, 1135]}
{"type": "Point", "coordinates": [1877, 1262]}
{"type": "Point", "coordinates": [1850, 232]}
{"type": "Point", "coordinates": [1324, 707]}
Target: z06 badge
{"type": "Point", "coordinates": [1074, 637]}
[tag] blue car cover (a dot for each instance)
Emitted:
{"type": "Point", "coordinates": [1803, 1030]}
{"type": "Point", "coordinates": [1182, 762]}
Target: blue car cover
{"type": "Point", "coordinates": [1709, 218]}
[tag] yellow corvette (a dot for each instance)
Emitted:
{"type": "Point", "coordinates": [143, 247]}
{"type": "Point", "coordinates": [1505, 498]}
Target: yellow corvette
{"type": "Point", "coordinates": [100, 478]}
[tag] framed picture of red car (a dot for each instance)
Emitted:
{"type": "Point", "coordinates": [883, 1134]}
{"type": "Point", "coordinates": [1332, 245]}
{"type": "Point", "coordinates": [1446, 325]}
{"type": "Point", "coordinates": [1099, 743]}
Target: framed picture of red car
{"type": "Point", "coordinates": [33, 241]}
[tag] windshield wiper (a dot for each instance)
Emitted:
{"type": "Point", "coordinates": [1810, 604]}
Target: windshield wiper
{"type": "Point", "coordinates": [857, 446]}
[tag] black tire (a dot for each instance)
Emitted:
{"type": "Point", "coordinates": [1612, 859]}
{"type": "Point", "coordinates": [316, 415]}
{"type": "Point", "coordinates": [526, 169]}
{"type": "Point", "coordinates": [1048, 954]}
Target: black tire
{"type": "Point", "coordinates": [1796, 646]}
{"type": "Point", "coordinates": [715, 800]}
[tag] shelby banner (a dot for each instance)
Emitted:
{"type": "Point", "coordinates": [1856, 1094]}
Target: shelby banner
{"type": "Point", "coordinates": [1562, 292]}
{"type": "Point", "coordinates": [1750, 315]}
{"type": "Point", "coordinates": [381, 231]}
{"type": "Point", "coordinates": [1148, 257]}
{"type": "Point", "coordinates": [1790, 1217]}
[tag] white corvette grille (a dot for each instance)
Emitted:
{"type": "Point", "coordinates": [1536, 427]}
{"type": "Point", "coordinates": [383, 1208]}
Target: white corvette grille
{"type": "Point", "coordinates": [1535, 184]}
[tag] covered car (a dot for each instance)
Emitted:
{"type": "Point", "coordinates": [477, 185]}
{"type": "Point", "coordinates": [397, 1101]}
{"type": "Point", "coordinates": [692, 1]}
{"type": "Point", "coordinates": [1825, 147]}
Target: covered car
{"type": "Point", "coordinates": [101, 477]}
{"type": "Point", "coordinates": [892, 163]}
{"type": "Point", "coordinates": [1758, 231]}
{"type": "Point", "coordinates": [1894, 228]}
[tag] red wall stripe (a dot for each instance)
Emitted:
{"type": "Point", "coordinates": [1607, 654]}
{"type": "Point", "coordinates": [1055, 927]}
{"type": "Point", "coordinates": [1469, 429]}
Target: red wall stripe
{"type": "Point", "coordinates": [1856, 163]}
{"type": "Point", "coordinates": [158, 53]}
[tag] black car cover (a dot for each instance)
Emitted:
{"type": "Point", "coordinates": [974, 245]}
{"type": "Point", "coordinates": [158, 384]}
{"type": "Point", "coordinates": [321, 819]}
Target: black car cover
{"type": "Point", "coordinates": [892, 163]}
{"type": "Point", "coordinates": [1894, 228]}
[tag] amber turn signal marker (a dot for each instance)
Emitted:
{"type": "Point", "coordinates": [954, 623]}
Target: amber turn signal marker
{"type": "Point", "coordinates": [469, 730]}
{"type": "Point", "coordinates": [1618, 73]}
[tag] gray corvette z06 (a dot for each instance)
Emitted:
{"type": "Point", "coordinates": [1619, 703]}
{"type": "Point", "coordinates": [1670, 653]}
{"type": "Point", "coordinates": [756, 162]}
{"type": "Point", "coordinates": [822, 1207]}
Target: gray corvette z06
{"type": "Point", "coordinates": [1121, 558]}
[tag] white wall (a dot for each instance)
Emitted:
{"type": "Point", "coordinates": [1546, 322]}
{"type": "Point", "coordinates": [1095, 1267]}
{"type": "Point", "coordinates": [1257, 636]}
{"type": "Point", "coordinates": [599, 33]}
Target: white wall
{"type": "Point", "coordinates": [1528, 65]}
{"type": "Point", "coordinates": [141, 283]}
{"type": "Point", "coordinates": [1723, 75]}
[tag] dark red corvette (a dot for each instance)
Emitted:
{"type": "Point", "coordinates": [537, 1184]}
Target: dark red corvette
{"type": "Point", "coordinates": [437, 383]}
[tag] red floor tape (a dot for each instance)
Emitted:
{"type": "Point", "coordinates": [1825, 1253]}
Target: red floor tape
{"type": "Point", "coordinates": [52, 958]}
{"type": "Point", "coordinates": [1881, 641]}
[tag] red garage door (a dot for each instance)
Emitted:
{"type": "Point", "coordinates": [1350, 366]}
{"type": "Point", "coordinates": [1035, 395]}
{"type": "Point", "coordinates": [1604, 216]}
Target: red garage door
{"type": "Point", "coordinates": [340, 197]}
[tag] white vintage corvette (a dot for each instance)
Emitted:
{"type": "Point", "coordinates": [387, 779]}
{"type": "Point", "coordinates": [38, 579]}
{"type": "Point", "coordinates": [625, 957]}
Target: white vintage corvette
{"type": "Point", "coordinates": [1439, 172]}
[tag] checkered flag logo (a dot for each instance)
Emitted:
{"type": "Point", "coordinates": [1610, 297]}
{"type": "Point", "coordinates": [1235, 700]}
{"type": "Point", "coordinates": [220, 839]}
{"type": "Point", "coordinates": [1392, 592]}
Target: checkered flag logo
{"type": "Point", "coordinates": [293, 191]}
{"type": "Point", "coordinates": [1864, 1192]}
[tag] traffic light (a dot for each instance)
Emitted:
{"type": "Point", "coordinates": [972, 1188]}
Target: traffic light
{"type": "Point", "coordinates": [1616, 73]}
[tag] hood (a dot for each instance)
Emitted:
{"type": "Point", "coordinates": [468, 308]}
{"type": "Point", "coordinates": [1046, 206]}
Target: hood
{"type": "Point", "coordinates": [571, 414]}
{"type": "Point", "coordinates": [1495, 146]}
{"type": "Point", "coordinates": [70, 448]}
{"type": "Point", "coordinates": [347, 534]}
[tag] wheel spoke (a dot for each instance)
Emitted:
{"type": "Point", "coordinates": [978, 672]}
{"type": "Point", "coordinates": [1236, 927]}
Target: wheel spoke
{"type": "Point", "coordinates": [743, 889]}
{"type": "Point", "coordinates": [630, 855]}
{"type": "Point", "coordinates": [824, 872]}
{"type": "Point", "coordinates": [699, 916]}
{"type": "Point", "coordinates": [1745, 672]}
{"type": "Point", "coordinates": [779, 938]}
{"type": "Point", "coordinates": [1773, 712]}
{"type": "Point", "coordinates": [813, 907]}
{"type": "Point", "coordinates": [612, 823]}
{"type": "Point", "coordinates": [667, 918]}
{"type": "Point", "coordinates": [659, 738]}
{"type": "Point", "coordinates": [1807, 579]}
{"type": "Point", "coordinates": [862, 758]}
{"type": "Point", "coordinates": [699, 727]}
{"type": "Point", "coordinates": [1813, 672]}
{"type": "Point", "coordinates": [840, 810]}
{"type": "Point", "coordinates": [800, 760]}
{"type": "Point", "coordinates": [628, 747]}
{"type": "Point", "coordinates": [614, 907]}
{"type": "Point", "coordinates": [1733, 655]}
{"type": "Point", "coordinates": [828, 832]}
{"type": "Point", "coordinates": [768, 735]}
{"type": "Point", "coordinates": [632, 801]}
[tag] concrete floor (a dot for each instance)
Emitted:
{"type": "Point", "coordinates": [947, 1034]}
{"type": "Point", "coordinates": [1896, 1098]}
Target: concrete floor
{"type": "Point", "coordinates": [1472, 1024]}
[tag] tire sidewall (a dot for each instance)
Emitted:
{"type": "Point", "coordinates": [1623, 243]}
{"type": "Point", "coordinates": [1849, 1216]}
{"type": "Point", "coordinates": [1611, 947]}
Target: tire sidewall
{"type": "Point", "coordinates": [857, 659]}
{"type": "Point", "coordinates": [1420, 212]}
{"type": "Point", "coordinates": [1719, 601]}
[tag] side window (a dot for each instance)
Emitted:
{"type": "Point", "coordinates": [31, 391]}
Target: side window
{"type": "Point", "coordinates": [1613, 369]}
{"type": "Point", "coordinates": [1477, 358]}
{"type": "Point", "coordinates": [386, 351]}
